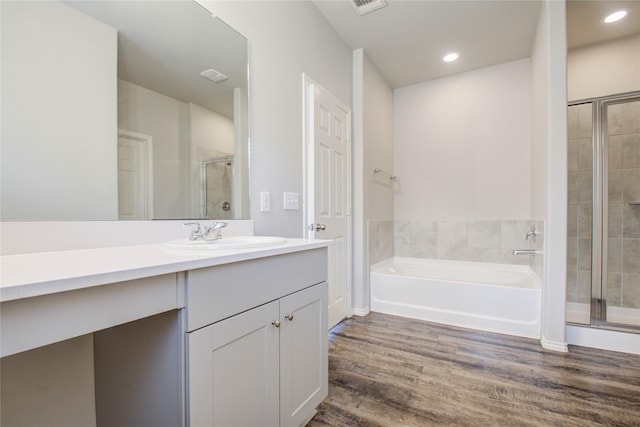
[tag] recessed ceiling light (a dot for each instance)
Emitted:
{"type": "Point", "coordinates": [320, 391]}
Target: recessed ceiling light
{"type": "Point", "coordinates": [615, 16]}
{"type": "Point", "coordinates": [450, 57]}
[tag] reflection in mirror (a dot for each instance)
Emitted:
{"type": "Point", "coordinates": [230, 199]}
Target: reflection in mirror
{"type": "Point", "coordinates": [115, 109]}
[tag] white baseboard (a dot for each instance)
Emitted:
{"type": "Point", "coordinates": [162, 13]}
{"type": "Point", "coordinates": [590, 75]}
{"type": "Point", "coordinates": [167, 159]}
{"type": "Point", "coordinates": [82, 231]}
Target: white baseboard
{"type": "Point", "coordinates": [562, 347]}
{"type": "Point", "coordinates": [361, 311]}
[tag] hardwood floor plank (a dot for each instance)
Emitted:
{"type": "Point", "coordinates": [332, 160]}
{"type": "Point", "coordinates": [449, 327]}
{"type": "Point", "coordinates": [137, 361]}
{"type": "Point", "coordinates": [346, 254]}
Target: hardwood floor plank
{"type": "Point", "coordinates": [391, 371]}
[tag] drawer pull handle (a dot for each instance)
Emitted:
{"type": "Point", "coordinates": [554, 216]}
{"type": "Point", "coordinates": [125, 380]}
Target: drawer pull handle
{"type": "Point", "coordinates": [289, 316]}
{"type": "Point", "coordinates": [276, 323]}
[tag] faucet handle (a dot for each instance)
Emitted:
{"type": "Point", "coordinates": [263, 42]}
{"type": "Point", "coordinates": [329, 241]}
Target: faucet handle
{"type": "Point", "coordinates": [531, 233]}
{"type": "Point", "coordinates": [195, 229]}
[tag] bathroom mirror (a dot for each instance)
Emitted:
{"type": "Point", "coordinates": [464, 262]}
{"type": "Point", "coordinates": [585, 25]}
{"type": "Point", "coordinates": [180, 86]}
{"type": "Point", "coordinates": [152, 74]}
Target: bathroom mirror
{"type": "Point", "coordinates": [122, 110]}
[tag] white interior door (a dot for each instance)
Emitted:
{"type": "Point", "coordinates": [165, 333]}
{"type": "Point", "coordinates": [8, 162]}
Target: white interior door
{"type": "Point", "coordinates": [328, 126]}
{"type": "Point", "coordinates": [135, 190]}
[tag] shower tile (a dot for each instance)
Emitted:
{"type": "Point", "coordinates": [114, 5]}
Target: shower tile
{"type": "Point", "coordinates": [631, 117]}
{"type": "Point", "coordinates": [584, 286]}
{"type": "Point", "coordinates": [631, 185]}
{"type": "Point", "coordinates": [631, 151]}
{"type": "Point", "coordinates": [452, 234]}
{"type": "Point", "coordinates": [423, 227]}
{"type": "Point", "coordinates": [614, 153]}
{"type": "Point", "coordinates": [572, 221]}
{"type": "Point", "coordinates": [615, 220]}
{"type": "Point", "coordinates": [507, 257]}
{"type": "Point", "coordinates": [572, 155]}
{"type": "Point", "coordinates": [614, 255]}
{"type": "Point", "coordinates": [484, 234]}
{"type": "Point", "coordinates": [572, 188]}
{"type": "Point", "coordinates": [423, 239]}
{"type": "Point", "coordinates": [426, 248]}
{"type": "Point", "coordinates": [584, 254]}
{"type": "Point", "coordinates": [585, 154]}
{"type": "Point", "coordinates": [615, 186]}
{"type": "Point", "coordinates": [584, 221]}
{"type": "Point", "coordinates": [539, 245]}
{"type": "Point", "coordinates": [614, 289]}
{"type": "Point", "coordinates": [514, 233]}
{"type": "Point", "coordinates": [631, 221]}
{"type": "Point", "coordinates": [385, 239]}
{"type": "Point", "coordinates": [572, 286]}
{"type": "Point", "coordinates": [585, 187]}
{"type": "Point", "coordinates": [614, 119]}
{"type": "Point", "coordinates": [631, 290]}
{"type": "Point", "coordinates": [572, 254]}
{"type": "Point", "coordinates": [631, 256]}
{"type": "Point", "coordinates": [402, 231]}
{"type": "Point", "coordinates": [584, 121]}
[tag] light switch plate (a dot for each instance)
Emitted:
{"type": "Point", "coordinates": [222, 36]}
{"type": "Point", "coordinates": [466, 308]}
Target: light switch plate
{"type": "Point", "coordinates": [291, 201]}
{"type": "Point", "coordinates": [265, 201]}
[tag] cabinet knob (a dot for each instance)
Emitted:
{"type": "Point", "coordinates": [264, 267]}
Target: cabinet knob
{"type": "Point", "coordinates": [276, 323]}
{"type": "Point", "coordinates": [289, 316]}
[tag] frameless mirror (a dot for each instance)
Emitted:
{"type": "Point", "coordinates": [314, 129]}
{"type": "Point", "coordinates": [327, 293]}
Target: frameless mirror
{"type": "Point", "coordinates": [122, 110]}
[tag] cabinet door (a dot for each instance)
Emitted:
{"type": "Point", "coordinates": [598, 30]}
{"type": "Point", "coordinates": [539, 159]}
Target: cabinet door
{"type": "Point", "coordinates": [233, 371]}
{"type": "Point", "coordinates": [303, 354]}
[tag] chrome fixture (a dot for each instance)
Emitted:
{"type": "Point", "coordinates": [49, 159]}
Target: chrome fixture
{"type": "Point", "coordinates": [531, 233]}
{"type": "Point", "coordinates": [391, 176]}
{"type": "Point", "coordinates": [529, 252]}
{"type": "Point", "coordinates": [206, 232]}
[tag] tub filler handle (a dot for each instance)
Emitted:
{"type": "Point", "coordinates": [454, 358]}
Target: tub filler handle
{"type": "Point", "coordinates": [529, 252]}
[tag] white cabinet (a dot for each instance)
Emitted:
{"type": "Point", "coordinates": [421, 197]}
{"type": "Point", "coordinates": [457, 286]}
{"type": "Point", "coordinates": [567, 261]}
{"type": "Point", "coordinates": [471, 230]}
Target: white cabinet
{"type": "Point", "coordinates": [233, 371]}
{"type": "Point", "coordinates": [303, 354]}
{"type": "Point", "coordinates": [266, 366]}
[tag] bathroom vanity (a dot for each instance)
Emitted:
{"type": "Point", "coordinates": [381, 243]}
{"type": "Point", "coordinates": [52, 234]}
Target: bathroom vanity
{"type": "Point", "coordinates": [231, 337]}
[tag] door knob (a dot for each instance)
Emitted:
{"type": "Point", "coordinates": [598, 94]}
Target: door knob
{"type": "Point", "coordinates": [276, 323]}
{"type": "Point", "coordinates": [289, 316]}
{"type": "Point", "coordinates": [320, 227]}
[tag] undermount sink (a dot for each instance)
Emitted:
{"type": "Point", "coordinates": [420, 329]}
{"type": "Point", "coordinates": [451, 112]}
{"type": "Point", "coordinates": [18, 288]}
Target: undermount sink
{"type": "Point", "coordinates": [236, 242]}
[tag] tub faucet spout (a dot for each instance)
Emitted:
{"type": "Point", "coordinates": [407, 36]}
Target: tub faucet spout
{"type": "Point", "coordinates": [529, 252]}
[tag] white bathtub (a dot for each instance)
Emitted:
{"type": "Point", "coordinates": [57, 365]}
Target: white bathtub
{"type": "Point", "coordinates": [500, 298]}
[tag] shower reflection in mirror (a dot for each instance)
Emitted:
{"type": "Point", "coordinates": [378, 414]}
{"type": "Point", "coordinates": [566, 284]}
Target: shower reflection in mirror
{"type": "Point", "coordinates": [217, 186]}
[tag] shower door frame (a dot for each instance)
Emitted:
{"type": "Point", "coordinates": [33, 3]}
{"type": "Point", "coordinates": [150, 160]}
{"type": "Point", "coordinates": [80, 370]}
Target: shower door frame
{"type": "Point", "coordinates": [600, 208]}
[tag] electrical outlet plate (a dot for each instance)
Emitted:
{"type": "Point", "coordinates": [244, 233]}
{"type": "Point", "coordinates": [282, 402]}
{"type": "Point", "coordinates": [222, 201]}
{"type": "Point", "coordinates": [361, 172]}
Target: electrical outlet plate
{"type": "Point", "coordinates": [291, 201]}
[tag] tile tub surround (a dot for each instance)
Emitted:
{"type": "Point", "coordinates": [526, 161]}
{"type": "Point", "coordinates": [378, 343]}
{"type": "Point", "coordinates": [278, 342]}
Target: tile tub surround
{"type": "Point", "coordinates": [468, 240]}
{"type": "Point", "coordinates": [380, 236]}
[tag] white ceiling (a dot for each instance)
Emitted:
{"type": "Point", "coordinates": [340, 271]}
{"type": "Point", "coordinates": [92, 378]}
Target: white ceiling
{"type": "Point", "coordinates": [164, 45]}
{"type": "Point", "coordinates": [407, 39]}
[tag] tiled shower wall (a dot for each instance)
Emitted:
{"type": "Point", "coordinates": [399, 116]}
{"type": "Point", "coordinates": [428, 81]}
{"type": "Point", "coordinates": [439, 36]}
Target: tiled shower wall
{"type": "Point", "coordinates": [623, 278]}
{"type": "Point", "coordinates": [452, 239]}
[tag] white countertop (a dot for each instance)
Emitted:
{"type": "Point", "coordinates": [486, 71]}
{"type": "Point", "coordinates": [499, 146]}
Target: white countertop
{"type": "Point", "coordinates": [37, 274]}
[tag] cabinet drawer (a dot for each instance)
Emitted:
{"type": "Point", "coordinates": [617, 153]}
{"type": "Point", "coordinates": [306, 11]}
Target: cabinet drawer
{"type": "Point", "coordinates": [215, 293]}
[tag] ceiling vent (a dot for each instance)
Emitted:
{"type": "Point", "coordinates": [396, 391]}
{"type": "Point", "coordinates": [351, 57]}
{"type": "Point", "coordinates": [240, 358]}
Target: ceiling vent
{"type": "Point", "coordinates": [366, 6]}
{"type": "Point", "coordinates": [214, 75]}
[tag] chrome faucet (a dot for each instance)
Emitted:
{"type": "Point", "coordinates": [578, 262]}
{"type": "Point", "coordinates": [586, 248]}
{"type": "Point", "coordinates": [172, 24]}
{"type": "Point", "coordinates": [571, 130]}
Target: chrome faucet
{"type": "Point", "coordinates": [530, 252]}
{"type": "Point", "coordinates": [205, 232]}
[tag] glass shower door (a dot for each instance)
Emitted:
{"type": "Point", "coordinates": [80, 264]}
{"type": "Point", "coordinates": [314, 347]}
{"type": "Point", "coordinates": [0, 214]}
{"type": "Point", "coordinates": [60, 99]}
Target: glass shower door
{"type": "Point", "coordinates": [621, 231]}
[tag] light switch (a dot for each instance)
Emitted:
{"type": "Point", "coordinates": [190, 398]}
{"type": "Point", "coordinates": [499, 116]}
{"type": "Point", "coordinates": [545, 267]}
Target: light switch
{"type": "Point", "coordinates": [265, 201]}
{"type": "Point", "coordinates": [291, 201]}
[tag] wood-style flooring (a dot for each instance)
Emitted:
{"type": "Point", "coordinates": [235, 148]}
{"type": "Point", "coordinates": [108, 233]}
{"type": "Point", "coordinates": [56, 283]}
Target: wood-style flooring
{"type": "Point", "coordinates": [392, 371]}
